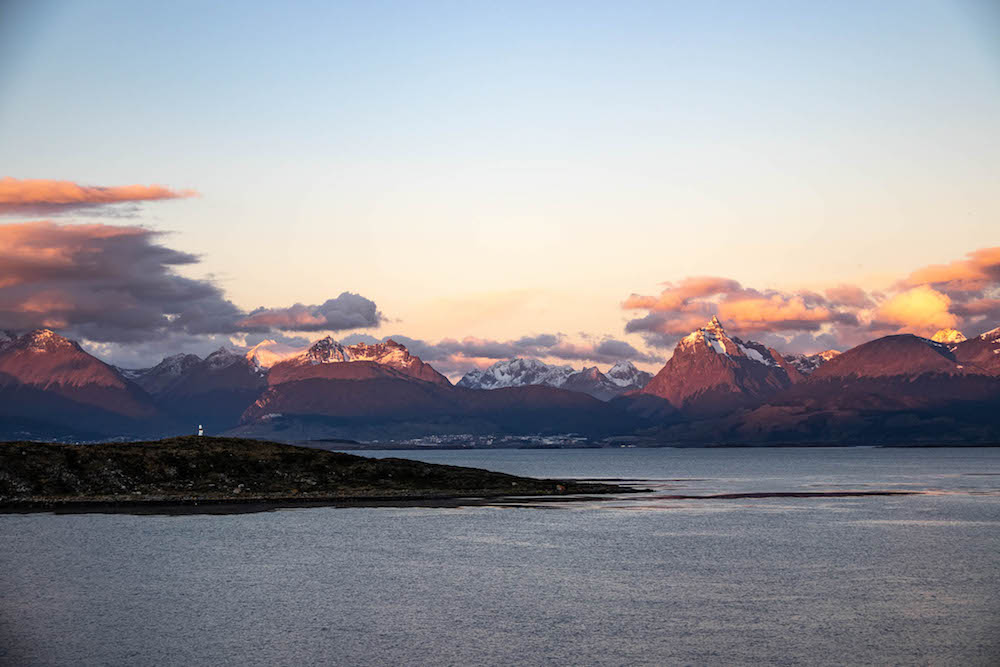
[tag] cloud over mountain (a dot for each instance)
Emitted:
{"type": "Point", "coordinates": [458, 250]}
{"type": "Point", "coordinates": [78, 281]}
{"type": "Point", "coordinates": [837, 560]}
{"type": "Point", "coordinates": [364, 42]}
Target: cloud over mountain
{"type": "Point", "coordinates": [108, 283]}
{"type": "Point", "coordinates": [963, 294]}
{"type": "Point", "coordinates": [452, 356]}
{"type": "Point", "coordinates": [49, 197]}
{"type": "Point", "coordinates": [682, 307]}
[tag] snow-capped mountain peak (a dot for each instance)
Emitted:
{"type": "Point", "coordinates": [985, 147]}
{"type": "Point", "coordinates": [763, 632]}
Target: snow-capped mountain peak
{"type": "Point", "coordinates": [624, 374]}
{"type": "Point", "coordinates": [325, 351]}
{"type": "Point", "coordinates": [713, 337]}
{"type": "Point", "coordinates": [387, 353]}
{"type": "Point", "coordinates": [517, 372]}
{"type": "Point", "coordinates": [177, 364]}
{"type": "Point", "coordinates": [223, 358]}
{"type": "Point", "coordinates": [44, 340]}
{"type": "Point", "coordinates": [948, 336]}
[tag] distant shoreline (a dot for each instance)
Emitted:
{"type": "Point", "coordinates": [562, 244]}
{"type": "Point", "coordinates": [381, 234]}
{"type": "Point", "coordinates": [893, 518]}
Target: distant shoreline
{"type": "Point", "coordinates": [240, 505]}
{"type": "Point", "coordinates": [386, 447]}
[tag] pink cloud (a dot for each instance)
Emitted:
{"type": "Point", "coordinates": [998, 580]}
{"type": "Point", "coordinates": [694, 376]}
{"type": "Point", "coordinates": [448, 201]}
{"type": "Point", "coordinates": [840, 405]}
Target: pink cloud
{"type": "Point", "coordinates": [45, 196]}
{"type": "Point", "coordinates": [687, 305]}
{"type": "Point", "coordinates": [980, 270]}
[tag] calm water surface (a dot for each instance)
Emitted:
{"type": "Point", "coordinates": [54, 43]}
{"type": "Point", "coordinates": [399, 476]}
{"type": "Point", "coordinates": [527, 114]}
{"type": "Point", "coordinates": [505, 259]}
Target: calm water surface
{"type": "Point", "coordinates": [636, 580]}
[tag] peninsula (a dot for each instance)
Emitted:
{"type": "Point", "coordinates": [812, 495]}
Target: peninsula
{"type": "Point", "coordinates": [187, 471]}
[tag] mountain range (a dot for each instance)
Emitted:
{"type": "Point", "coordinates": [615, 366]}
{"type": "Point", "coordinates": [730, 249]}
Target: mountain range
{"type": "Point", "coordinates": [715, 389]}
{"type": "Point", "coordinates": [50, 388]}
{"type": "Point", "coordinates": [621, 379]}
{"type": "Point", "coordinates": [893, 390]}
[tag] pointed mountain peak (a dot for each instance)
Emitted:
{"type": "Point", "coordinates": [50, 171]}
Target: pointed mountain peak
{"type": "Point", "coordinates": [322, 343]}
{"type": "Point", "coordinates": [623, 366]}
{"type": "Point", "coordinates": [711, 336]}
{"type": "Point", "coordinates": [948, 336]}
{"type": "Point", "coordinates": [223, 358]}
{"type": "Point", "coordinates": [323, 351]}
{"type": "Point", "coordinates": [45, 339]}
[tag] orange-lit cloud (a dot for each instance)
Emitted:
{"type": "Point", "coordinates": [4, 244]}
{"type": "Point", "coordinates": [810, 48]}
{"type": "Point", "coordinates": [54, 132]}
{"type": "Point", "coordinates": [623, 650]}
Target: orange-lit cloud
{"type": "Point", "coordinates": [979, 271]}
{"type": "Point", "coordinates": [48, 197]}
{"type": "Point", "coordinates": [921, 310]}
{"type": "Point", "coordinates": [687, 305]}
{"type": "Point", "coordinates": [675, 297]}
{"type": "Point", "coordinates": [963, 294]}
{"type": "Point", "coordinates": [774, 312]}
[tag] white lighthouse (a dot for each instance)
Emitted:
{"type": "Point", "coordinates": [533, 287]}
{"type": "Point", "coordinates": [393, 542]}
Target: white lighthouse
{"type": "Point", "coordinates": [201, 431]}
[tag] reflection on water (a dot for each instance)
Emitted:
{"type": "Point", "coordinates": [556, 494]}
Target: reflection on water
{"type": "Point", "coordinates": [910, 579]}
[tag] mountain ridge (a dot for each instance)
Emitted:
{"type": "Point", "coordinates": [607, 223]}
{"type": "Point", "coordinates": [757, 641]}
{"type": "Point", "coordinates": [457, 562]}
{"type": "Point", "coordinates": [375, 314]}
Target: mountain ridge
{"type": "Point", "coordinates": [623, 377]}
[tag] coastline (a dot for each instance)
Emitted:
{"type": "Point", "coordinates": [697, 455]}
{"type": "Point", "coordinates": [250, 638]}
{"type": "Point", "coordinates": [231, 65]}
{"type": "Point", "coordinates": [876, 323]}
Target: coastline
{"type": "Point", "coordinates": [248, 505]}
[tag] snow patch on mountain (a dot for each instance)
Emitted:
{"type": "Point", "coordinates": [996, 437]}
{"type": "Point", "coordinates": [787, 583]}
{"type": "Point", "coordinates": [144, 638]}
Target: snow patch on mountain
{"type": "Point", "coordinates": [807, 363]}
{"type": "Point", "coordinates": [993, 335]}
{"type": "Point", "coordinates": [755, 355]}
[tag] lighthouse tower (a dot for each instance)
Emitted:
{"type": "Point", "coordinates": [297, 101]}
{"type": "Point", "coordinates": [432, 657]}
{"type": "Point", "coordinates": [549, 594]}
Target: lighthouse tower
{"type": "Point", "coordinates": [201, 431]}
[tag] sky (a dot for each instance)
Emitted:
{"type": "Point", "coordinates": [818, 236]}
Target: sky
{"type": "Point", "coordinates": [573, 181]}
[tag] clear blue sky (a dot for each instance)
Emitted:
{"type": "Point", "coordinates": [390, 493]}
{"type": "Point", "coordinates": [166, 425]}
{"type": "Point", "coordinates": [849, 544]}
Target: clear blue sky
{"type": "Point", "coordinates": [553, 157]}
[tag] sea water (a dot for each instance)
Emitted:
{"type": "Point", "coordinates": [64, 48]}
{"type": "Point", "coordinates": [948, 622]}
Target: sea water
{"type": "Point", "coordinates": [639, 579]}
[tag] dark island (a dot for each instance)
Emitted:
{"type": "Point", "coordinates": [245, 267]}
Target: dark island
{"type": "Point", "coordinates": [231, 474]}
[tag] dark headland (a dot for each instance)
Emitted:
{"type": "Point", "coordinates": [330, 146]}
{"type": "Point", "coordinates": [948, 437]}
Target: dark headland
{"type": "Point", "coordinates": [239, 474]}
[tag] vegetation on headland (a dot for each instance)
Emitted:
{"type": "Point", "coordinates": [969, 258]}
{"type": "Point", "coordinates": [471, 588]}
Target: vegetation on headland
{"type": "Point", "coordinates": [189, 470]}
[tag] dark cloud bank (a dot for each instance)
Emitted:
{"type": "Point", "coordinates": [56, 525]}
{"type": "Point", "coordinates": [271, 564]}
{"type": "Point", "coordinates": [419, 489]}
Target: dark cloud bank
{"type": "Point", "coordinates": [114, 284]}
